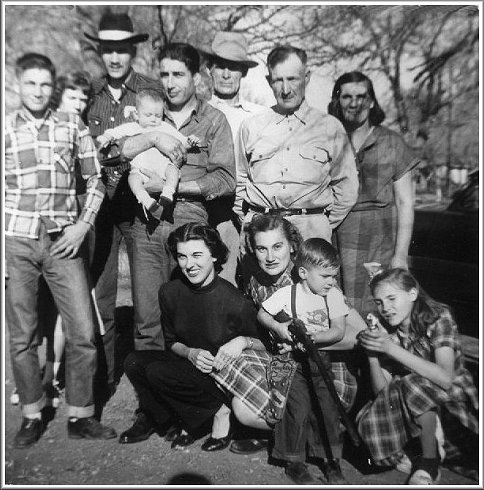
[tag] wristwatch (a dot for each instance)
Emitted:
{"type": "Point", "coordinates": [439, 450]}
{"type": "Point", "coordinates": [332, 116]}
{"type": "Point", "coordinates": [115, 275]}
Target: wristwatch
{"type": "Point", "coordinates": [250, 343]}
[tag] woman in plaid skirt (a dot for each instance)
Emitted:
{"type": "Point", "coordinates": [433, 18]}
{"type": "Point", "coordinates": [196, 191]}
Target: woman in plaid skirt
{"type": "Point", "coordinates": [418, 377]}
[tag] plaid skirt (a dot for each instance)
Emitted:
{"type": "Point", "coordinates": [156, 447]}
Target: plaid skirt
{"type": "Point", "coordinates": [388, 422]}
{"type": "Point", "coordinates": [247, 379]}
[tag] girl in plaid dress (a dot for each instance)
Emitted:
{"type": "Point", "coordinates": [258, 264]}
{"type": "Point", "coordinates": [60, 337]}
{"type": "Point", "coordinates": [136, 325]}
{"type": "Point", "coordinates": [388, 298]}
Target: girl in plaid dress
{"type": "Point", "coordinates": [417, 374]}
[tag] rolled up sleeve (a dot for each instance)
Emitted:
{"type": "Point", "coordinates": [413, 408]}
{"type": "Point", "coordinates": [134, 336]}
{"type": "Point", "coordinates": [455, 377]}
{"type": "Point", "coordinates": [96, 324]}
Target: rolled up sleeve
{"type": "Point", "coordinates": [91, 173]}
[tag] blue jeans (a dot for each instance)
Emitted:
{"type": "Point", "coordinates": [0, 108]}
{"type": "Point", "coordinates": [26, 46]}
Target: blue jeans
{"type": "Point", "coordinates": [27, 260]}
{"type": "Point", "coordinates": [153, 265]}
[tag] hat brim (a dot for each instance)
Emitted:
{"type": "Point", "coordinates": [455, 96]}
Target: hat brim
{"type": "Point", "coordinates": [137, 38]}
{"type": "Point", "coordinates": [212, 54]}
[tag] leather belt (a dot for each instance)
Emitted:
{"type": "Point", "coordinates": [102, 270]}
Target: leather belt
{"type": "Point", "coordinates": [285, 211]}
{"type": "Point", "coordinates": [189, 198]}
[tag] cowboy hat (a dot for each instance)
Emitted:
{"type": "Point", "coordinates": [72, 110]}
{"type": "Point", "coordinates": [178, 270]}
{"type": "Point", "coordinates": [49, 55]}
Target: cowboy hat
{"type": "Point", "coordinates": [230, 46]}
{"type": "Point", "coordinates": [116, 28]}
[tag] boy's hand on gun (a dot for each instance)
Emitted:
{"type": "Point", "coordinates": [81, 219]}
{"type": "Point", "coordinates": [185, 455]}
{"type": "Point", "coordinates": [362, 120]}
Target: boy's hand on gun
{"type": "Point", "coordinates": [282, 331]}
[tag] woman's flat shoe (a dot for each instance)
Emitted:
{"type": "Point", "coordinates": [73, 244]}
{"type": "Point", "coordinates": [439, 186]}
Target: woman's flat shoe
{"type": "Point", "coordinates": [172, 433]}
{"type": "Point", "coordinates": [182, 441]}
{"type": "Point", "coordinates": [214, 444]}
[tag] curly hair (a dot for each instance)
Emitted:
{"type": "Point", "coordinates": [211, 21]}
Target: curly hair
{"type": "Point", "coordinates": [376, 116]}
{"type": "Point", "coordinates": [200, 231]}
{"type": "Point", "coordinates": [425, 310]}
{"type": "Point", "coordinates": [268, 222]}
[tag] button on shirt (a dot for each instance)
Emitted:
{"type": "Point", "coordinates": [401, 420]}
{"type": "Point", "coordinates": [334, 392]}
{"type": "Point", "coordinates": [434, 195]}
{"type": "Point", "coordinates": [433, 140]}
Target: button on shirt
{"type": "Point", "coordinates": [302, 160]}
{"type": "Point", "coordinates": [40, 182]}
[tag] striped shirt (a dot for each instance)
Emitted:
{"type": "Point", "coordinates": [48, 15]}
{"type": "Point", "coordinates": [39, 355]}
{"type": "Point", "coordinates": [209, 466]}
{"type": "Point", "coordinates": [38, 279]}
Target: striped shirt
{"type": "Point", "coordinates": [40, 182]}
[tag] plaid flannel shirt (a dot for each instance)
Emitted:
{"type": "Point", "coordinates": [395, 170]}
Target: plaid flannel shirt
{"type": "Point", "coordinates": [40, 183]}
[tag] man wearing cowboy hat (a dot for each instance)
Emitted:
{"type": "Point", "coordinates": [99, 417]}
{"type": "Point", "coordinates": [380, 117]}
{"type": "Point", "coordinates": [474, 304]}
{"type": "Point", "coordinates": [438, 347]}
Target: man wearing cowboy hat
{"type": "Point", "coordinates": [228, 63]}
{"type": "Point", "coordinates": [114, 95]}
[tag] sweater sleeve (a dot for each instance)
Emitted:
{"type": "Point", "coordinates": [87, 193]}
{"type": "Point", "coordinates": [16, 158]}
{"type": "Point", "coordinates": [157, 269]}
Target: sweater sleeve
{"type": "Point", "coordinates": [166, 317]}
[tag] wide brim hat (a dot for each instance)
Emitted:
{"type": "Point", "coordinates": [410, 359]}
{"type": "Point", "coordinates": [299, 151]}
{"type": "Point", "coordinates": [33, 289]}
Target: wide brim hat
{"type": "Point", "coordinates": [116, 28]}
{"type": "Point", "coordinates": [230, 46]}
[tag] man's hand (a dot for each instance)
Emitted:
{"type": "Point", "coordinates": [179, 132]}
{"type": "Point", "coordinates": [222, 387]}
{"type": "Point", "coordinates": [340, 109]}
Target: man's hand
{"type": "Point", "coordinates": [170, 147]}
{"type": "Point", "coordinates": [155, 184]}
{"type": "Point", "coordinates": [68, 243]}
{"type": "Point", "coordinates": [201, 359]}
{"type": "Point", "coordinates": [228, 352]}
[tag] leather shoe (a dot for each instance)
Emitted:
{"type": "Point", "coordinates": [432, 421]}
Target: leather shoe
{"type": "Point", "coordinates": [89, 428]}
{"type": "Point", "coordinates": [299, 474]}
{"type": "Point", "coordinates": [216, 444]}
{"type": "Point", "coordinates": [141, 430]}
{"type": "Point", "coordinates": [30, 432]}
{"type": "Point", "coordinates": [172, 433]}
{"type": "Point", "coordinates": [248, 446]}
{"type": "Point", "coordinates": [182, 441]}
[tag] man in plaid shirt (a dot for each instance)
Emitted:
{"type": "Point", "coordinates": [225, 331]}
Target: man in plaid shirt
{"type": "Point", "coordinates": [44, 233]}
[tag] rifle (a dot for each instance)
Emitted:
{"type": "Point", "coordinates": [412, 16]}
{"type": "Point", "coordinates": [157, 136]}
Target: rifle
{"type": "Point", "coordinates": [298, 330]}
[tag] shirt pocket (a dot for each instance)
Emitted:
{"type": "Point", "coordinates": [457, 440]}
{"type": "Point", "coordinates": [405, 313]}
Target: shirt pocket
{"type": "Point", "coordinates": [259, 169]}
{"type": "Point", "coordinates": [314, 163]}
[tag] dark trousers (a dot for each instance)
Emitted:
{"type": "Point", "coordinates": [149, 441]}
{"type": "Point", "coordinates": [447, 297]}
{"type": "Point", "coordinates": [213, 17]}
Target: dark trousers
{"type": "Point", "coordinates": [301, 424]}
{"type": "Point", "coordinates": [113, 223]}
{"type": "Point", "coordinates": [171, 387]}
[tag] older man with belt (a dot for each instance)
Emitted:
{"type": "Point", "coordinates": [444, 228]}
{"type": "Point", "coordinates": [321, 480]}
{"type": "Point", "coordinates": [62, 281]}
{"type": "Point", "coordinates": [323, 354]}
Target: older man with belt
{"type": "Point", "coordinates": [228, 62]}
{"type": "Point", "coordinates": [293, 159]}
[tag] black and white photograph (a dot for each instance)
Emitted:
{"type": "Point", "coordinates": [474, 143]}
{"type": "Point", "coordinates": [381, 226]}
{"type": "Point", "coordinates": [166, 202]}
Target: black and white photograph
{"type": "Point", "coordinates": [241, 244]}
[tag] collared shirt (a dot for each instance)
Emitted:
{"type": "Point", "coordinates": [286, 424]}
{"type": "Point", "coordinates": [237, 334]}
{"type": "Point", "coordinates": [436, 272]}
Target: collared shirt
{"type": "Point", "coordinates": [383, 159]}
{"type": "Point", "coordinates": [40, 172]}
{"type": "Point", "coordinates": [236, 113]}
{"type": "Point", "coordinates": [105, 112]}
{"type": "Point", "coordinates": [302, 160]}
{"type": "Point", "coordinates": [212, 167]}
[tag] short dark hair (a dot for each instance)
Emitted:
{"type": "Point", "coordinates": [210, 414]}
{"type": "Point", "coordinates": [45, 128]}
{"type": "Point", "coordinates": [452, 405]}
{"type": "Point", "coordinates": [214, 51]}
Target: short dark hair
{"type": "Point", "coordinates": [268, 222]}
{"type": "Point", "coordinates": [183, 52]}
{"type": "Point", "coordinates": [281, 53]}
{"type": "Point", "coordinates": [376, 116]}
{"type": "Point", "coordinates": [34, 60]}
{"type": "Point", "coordinates": [317, 252]}
{"type": "Point", "coordinates": [148, 93]}
{"type": "Point", "coordinates": [200, 231]}
{"type": "Point", "coordinates": [75, 80]}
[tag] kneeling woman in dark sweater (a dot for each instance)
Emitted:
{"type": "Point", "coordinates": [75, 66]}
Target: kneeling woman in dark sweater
{"type": "Point", "coordinates": [207, 323]}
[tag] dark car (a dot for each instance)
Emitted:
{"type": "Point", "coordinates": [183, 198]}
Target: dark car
{"type": "Point", "coordinates": [444, 253]}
